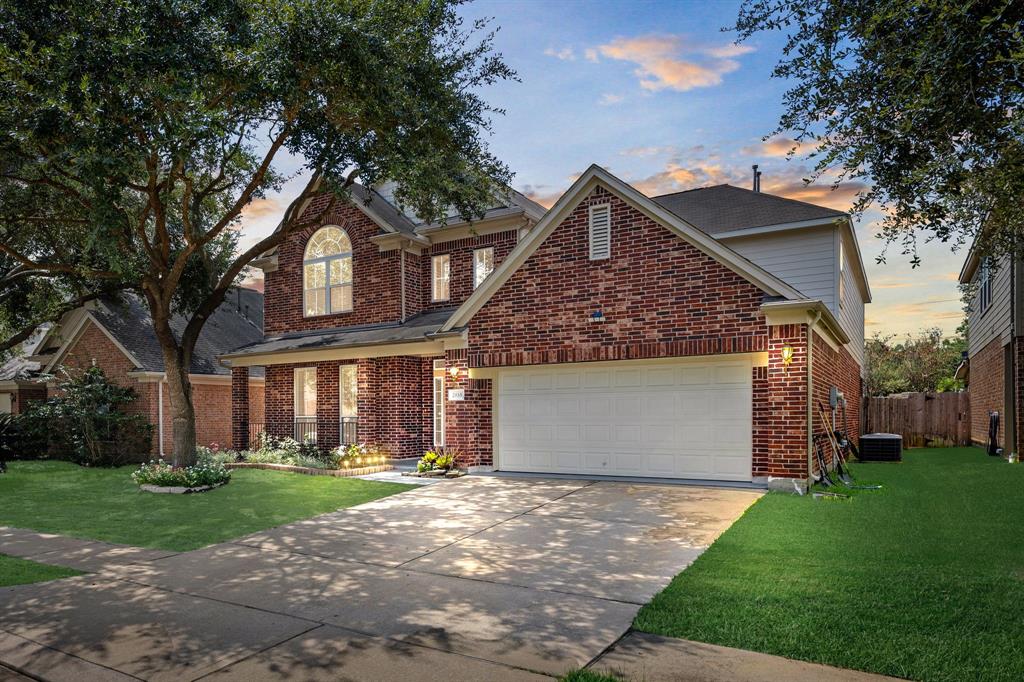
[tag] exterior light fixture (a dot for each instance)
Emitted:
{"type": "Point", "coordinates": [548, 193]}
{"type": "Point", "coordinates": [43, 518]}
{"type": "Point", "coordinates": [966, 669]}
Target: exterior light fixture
{"type": "Point", "coordinates": [787, 355]}
{"type": "Point", "coordinates": [453, 371]}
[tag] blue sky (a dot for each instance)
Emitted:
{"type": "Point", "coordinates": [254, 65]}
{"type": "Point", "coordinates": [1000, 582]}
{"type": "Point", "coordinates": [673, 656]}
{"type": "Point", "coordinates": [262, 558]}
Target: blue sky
{"type": "Point", "coordinates": [659, 95]}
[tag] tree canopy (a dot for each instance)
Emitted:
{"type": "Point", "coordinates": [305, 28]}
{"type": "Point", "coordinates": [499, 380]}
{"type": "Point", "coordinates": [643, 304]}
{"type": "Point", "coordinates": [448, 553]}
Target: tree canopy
{"type": "Point", "coordinates": [926, 362]}
{"type": "Point", "coordinates": [133, 133]}
{"type": "Point", "coordinates": [923, 100]}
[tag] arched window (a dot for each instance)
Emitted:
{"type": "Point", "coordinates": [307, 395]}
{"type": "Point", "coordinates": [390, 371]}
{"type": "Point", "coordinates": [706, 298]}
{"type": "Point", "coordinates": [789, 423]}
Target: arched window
{"type": "Point", "coordinates": [327, 273]}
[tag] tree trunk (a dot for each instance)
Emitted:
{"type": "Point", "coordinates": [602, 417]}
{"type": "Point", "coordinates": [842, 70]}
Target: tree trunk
{"type": "Point", "coordinates": [183, 413]}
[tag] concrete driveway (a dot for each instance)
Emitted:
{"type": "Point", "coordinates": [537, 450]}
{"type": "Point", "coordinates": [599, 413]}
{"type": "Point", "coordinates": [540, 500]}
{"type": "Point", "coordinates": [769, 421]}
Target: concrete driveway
{"type": "Point", "coordinates": [479, 578]}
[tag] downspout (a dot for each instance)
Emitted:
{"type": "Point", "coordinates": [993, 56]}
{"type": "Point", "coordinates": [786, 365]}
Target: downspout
{"type": "Point", "coordinates": [160, 415]}
{"type": "Point", "coordinates": [810, 396]}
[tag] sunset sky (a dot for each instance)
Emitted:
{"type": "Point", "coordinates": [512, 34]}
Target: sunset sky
{"type": "Point", "coordinates": [658, 94]}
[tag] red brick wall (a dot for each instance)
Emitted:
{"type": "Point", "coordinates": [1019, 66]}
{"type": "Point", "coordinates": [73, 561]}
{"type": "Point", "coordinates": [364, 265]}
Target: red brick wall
{"type": "Point", "coordinates": [836, 368]}
{"type": "Point", "coordinates": [468, 423]}
{"type": "Point", "coordinates": [391, 403]}
{"type": "Point", "coordinates": [987, 390]}
{"type": "Point", "coordinates": [93, 344]}
{"type": "Point", "coordinates": [376, 275]}
{"type": "Point", "coordinates": [780, 422]}
{"type": "Point", "coordinates": [461, 252]}
{"type": "Point", "coordinates": [660, 297]}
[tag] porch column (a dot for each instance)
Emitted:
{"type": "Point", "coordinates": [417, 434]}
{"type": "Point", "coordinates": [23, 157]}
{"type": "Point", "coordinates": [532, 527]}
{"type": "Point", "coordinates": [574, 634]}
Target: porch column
{"type": "Point", "coordinates": [240, 408]}
{"type": "Point", "coordinates": [780, 428]}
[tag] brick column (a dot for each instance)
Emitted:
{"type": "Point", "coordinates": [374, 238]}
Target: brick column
{"type": "Point", "coordinates": [328, 416]}
{"type": "Point", "coordinates": [240, 408]}
{"type": "Point", "coordinates": [780, 428]}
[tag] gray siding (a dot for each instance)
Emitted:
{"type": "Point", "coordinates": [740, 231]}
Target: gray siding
{"type": "Point", "coordinates": [807, 260]}
{"type": "Point", "coordinates": [851, 309]}
{"type": "Point", "coordinates": [996, 321]}
{"type": "Point", "coordinates": [804, 259]}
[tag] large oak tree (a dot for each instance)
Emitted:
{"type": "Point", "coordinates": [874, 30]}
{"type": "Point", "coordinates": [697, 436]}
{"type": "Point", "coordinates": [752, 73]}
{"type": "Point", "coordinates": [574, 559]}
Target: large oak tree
{"type": "Point", "coordinates": [133, 134]}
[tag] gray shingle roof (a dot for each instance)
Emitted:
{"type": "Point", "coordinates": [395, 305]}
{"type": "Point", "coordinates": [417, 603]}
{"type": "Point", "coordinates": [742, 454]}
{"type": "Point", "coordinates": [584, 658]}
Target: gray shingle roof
{"type": "Point", "coordinates": [416, 328]}
{"type": "Point", "coordinates": [724, 208]}
{"type": "Point", "coordinates": [238, 321]}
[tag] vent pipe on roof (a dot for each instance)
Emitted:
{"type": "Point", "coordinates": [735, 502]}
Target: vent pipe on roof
{"type": "Point", "coordinates": [757, 178]}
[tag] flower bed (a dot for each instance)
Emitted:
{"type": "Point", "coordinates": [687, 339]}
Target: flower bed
{"type": "Point", "coordinates": [162, 477]}
{"type": "Point", "coordinates": [312, 471]}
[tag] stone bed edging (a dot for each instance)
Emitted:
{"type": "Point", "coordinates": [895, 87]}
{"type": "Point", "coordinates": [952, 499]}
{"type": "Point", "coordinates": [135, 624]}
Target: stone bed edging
{"type": "Point", "coordinates": [310, 471]}
{"type": "Point", "coordinates": [178, 489]}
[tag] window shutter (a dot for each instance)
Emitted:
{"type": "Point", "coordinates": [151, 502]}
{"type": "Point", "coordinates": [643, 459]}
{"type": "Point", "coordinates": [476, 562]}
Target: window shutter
{"type": "Point", "coordinates": [600, 232]}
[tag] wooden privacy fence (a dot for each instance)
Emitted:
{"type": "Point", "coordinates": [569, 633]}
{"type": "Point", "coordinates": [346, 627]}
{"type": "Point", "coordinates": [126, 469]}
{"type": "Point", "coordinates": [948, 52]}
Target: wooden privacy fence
{"type": "Point", "coordinates": [936, 419]}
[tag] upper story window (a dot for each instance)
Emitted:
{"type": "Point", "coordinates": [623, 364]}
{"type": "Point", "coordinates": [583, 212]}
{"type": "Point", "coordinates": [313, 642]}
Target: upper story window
{"type": "Point", "coordinates": [600, 232]}
{"type": "Point", "coordinates": [483, 265]}
{"type": "Point", "coordinates": [327, 273]}
{"type": "Point", "coordinates": [984, 286]}
{"type": "Point", "coordinates": [440, 277]}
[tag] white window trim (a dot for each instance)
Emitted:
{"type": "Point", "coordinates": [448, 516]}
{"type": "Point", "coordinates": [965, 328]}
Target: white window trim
{"type": "Point", "coordinates": [296, 382]}
{"type": "Point", "coordinates": [437, 409]}
{"type": "Point", "coordinates": [341, 390]}
{"type": "Point", "coordinates": [599, 255]}
{"type": "Point", "coordinates": [478, 281]}
{"type": "Point", "coordinates": [326, 260]}
{"type": "Point", "coordinates": [434, 279]}
{"type": "Point", "coordinates": [984, 287]}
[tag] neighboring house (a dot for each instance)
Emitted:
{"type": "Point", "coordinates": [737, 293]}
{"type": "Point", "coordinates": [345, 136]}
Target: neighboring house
{"type": "Point", "coordinates": [613, 334]}
{"type": "Point", "coordinates": [117, 335]}
{"type": "Point", "coordinates": [995, 349]}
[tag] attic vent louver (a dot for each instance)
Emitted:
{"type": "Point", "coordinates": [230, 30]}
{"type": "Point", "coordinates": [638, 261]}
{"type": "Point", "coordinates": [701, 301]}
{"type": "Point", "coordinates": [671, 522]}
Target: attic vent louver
{"type": "Point", "coordinates": [600, 232]}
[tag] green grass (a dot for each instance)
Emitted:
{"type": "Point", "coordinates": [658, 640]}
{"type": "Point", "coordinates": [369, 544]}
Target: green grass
{"type": "Point", "coordinates": [15, 571]}
{"type": "Point", "coordinates": [584, 675]}
{"type": "Point", "coordinates": [104, 504]}
{"type": "Point", "coordinates": [923, 579]}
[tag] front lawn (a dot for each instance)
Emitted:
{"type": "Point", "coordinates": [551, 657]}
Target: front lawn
{"type": "Point", "coordinates": [15, 571]}
{"type": "Point", "coordinates": [924, 579]}
{"type": "Point", "coordinates": [104, 504]}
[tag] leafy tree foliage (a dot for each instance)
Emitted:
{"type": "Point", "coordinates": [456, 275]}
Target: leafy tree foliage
{"type": "Point", "coordinates": [926, 362]}
{"type": "Point", "coordinates": [924, 100]}
{"type": "Point", "coordinates": [87, 422]}
{"type": "Point", "coordinates": [133, 133]}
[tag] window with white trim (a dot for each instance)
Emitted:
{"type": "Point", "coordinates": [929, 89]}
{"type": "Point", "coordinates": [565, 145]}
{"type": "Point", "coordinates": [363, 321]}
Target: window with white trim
{"type": "Point", "coordinates": [440, 277]}
{"type": "Point", "coordinates": [984, 286]}
{"type": "Point", "coordinates": [483, 264]}
{"type": "Point", "coordinates": [600, 232]}
{"type": "Point", "coordinates": [327, 273]}
{"type": "Point", "coordinates": [305, 392]}
{"type": "Point", "coordinates": [438, 407]}
{"type": "Point", "coordinates": [348, 392]}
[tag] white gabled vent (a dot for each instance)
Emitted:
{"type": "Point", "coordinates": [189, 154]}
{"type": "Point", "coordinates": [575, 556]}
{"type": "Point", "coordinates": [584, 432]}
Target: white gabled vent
{"type": "Point", "coordinates": [600, 232]}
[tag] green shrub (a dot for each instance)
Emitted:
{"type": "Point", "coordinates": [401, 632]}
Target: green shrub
{"type": "Point", "coordinates": [439, 459]}
{"type": "Point", "coordinates": [86, 423]}
{"type": "Point", "coordinates": [357, 455]}
{"type": "Point", "coordinates": [214, 456]}
{"type": "Point", "coordinates": [162, 473]}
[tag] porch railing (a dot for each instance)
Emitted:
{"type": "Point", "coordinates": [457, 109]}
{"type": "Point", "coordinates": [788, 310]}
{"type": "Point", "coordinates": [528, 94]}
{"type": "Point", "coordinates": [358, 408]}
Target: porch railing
{"type": "Point", "coordinates": [349, 430]}
{"type": "Point", "coordinates": [255, 429]}
{"type": "Point", "coordinates": [305, 429]}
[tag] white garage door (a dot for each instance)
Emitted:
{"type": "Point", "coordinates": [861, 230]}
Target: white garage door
{"type": "Point", "coordinates": [680, 419]}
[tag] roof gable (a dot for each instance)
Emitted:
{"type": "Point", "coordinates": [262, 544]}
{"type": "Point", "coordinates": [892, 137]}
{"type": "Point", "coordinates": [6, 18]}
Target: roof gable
{"type": "Point", "coordinates": [593, 177]}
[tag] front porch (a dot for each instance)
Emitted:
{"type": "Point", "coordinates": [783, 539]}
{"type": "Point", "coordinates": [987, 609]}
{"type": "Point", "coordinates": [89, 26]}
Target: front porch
{"type": "Point", "coordinates": [396, 403]}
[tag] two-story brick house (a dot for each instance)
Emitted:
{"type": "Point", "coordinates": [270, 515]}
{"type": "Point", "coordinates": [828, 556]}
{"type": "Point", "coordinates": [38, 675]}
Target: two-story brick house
{"type": "Point", "coordinates": [685, 336]}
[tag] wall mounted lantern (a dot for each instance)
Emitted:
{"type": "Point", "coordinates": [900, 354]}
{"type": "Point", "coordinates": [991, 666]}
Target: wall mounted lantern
{"type": "Point", "coordinates": [453, 371]}
{"type": "Point", "coordinates": [787, 355]}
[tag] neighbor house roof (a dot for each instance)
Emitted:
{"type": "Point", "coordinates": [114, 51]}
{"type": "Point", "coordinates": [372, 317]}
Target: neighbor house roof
{"type": "Point", "coordinates": [126, 320]}
{"type": "Point", "coordinates": [416, 328]}
{"type": "Point", "coordinates": [724, 208]}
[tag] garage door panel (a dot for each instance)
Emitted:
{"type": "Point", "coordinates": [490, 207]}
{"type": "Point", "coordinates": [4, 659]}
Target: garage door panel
{"type": "Point", "coordinates": [690, 419]}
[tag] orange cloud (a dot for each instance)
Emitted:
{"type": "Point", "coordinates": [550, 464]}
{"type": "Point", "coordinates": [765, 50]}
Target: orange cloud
{"type": "Point", "coordinates": [258, 209]}
{"type": "Point", "coordinates": [774, 147]}
{"type": "Point", "coordinates": [661, 64]}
